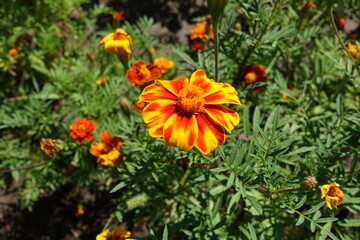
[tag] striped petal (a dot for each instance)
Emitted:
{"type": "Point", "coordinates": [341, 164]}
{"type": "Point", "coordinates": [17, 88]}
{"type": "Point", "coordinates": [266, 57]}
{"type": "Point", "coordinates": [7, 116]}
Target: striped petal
{"type": "Point", "coordinates": [181, 132]}
{"type": "Point", "coordinates": [173, 86]}
{"type": "Point", "coordinates": [154, 92]}
{"type": "Point", "coordinates": [199, 78]}
{"type": "Point", "coordinates": [222, 115]}
{"type": "Point", "coordinates": [156, 114]}
{"type": "Point", "coordinates": [210, 134]}
{"type": "Point", "coordinates": [227, 94]}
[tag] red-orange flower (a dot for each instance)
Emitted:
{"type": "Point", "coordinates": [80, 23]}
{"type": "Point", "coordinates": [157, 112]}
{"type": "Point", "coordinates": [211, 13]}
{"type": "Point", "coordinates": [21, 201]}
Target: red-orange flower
{"type": "Point", "coordinates": [102, 80]}
{"type": "Point", "coordinates": [340, 23]}
{"type": "Point", "coordinates": [252, 74]}
{"type": "Point", "coordinates": [107, 150]}
{"type": "Point", "coordinates": [198, 33]}
{"type": "Point", "coordinates": [80, 211]}
{"type": "Point", "coordinates": [197, 44]}
{"type": "Point", "coordinates": [13, 52]}
{"type": "Point", "coordinates": [141, 73]}
{"type": "Point", "coordinates": [118, 16]}
{"type": "Point", "coordinates": [81, 130]}
{"type": "Point", "coordinates": [164, 64]}
{"type": "Point", "coordinates": [138, 106]}
{"type": "Point", "coordinates": [188, 113]}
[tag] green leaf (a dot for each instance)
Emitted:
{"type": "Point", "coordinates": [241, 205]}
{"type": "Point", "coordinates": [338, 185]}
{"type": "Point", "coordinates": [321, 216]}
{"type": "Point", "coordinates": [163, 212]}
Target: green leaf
{"type": "Point", "coordinates": [252, 232]}
{"type": "Point", "coordinates": [300, 220]}
{"type": "Point", "coordinates": [301, 150]}
{"type": "Point", "coordinates": [165, 233]}
{"type": "Point", "coordinates": [314, 209]}
{"type": "Point", "coordinates": [299, 204]}
{"type": "Point", "coordinates": [253, 201]}
{"type": "Point", "coordinates": [118, 187]}
{"type": "Point", "coordinates": [233, 201]}
{"type": "Point", "coordinates": [350, 223]}
{"type": "Point", "coordinates": [217, 190]}
{"type": "Point", "coordinates": [325, 220]}
{"type": "Point", "coordinates": [186, 58]}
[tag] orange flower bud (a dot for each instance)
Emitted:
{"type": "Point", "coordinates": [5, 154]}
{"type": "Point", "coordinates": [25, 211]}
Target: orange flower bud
{"type": "Point", "coordinates": [163, 63]}
{"type": "Point", "coordinates": [13, 52]}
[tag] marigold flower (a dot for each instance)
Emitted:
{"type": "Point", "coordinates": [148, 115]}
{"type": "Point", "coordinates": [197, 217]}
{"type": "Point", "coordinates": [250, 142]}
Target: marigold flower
{"type": "Point", "coordinates": [80, 211]}
{"type": "Point", "coordinates": [201, 29]}
{"type": "Point", "coordinates": [118, 42]}
{"type": "Point", "coordinates": [13, 52]}
{"type": "Point", "coordinates": [164, 64]}
{"type": "Point", "coordinates": [332, 194]}
{"type": "Point", "coordinates": [120, 233]}
{"type": "Point", "coordinates": [81, 130]}
{"type": "Point", "coordinates": [252, 74]}
{"type": "Point", "coordinates": [138, 106]}
{"type": "Point", "coordinates": [197, 44]}
{"type": "Point", "coordinates": [107, 150]}
{"type": "Point", "coordinates": [48, 146]}
{"type": "Point", "coordinates": [340, 23]}
{"type": "Point", "coordinates": [102, 80]}
{"type": "Point", "coordinates": [354, 50]}
{"type": "Point", "coordinates": [189, 113]}
{"type": "Point", "coordinates": [118, 16]}
{"type": "Point", "coordinates": [141, 73]}
{"type": "Point", "coordinates": [292, 89]}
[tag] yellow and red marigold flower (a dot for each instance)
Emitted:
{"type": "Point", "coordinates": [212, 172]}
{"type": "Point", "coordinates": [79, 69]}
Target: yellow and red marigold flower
{"type": "Point", "coordinates": [118, 16]}
{"type": "Point", "coordinates": [354, 50]}
{"type": "Point", "coordinates": [48, 146]}
{"type": "Point", "coordinates": [332, 194]}
{"type": "Point", "coordinates": [138, 106]}
{"type": "Point", "coordinates": [141, 73]}
{"type": "Point", "coordinates": [81, 130]}
{"type": "Point", "coordinates": [253, 74]}
{"type": "Point", "coordinates": [107, 150]}
{"type": "Point", "coordinates": [13, 52]}
{"type": "Point", "coordinates": [118, 42]}
{"type": "Point", "coordinates": [188, 113]}
{"type": "Point", "coordinates": [120, 233]}
{"type": "Point", "coordinates": [164, 64]}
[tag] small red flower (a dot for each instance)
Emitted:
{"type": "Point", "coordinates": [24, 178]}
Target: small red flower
{"type": "Point", "coordinates": [253, 74]}
{"type": "Point", "coordinates": [118, 16]}
{"type": "Point", "coordinates": [81, 130]}
{"type": "Point", "coordinates": [197, 44]}
{"type": "Point", "coordinates": [141, 73]}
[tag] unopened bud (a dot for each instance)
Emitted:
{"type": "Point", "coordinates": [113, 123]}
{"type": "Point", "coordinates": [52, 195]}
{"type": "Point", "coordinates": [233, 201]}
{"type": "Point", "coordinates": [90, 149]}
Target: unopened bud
{"type": "Point", "coordinates": [308, 183]}
{"type": "Point", "coordinates": [216, 7]}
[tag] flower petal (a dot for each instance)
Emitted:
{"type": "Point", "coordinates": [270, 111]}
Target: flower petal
{"type": "Point", "coordinates": [118, 46]}
{"type": "Point", "coordinates": [155, 115]}
{"type": "Point", "coordinates": [107, 38]}
{"type": "Point", "coordinates": [227, 94]}
{"type": "Point", "coordinates": [199, 78]}
{"type": "Point", "coordinates": [210, 134]}
{"type": "Point", "coordinates": [173, 86]}
{"type": "Point", "coordinates": [222, 115]}
{"type": "Point", "coordinates": [181, 132]}
{"type": "Point", "coordinates": [105, 137]}
{"type": "Point", "coordinates": [154, 92]}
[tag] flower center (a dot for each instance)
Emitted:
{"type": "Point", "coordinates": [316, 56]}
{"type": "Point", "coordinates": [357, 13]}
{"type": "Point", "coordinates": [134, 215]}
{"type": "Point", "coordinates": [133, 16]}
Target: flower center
{"type": "Point", "coordinates": [144, 72]}
{"type": "Point", "coordinates": [250, 77]}
{"type": "Point", "coordinates": [190, 101]}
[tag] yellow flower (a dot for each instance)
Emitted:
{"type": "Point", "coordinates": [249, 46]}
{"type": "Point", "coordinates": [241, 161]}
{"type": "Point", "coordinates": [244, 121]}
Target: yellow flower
{"type": "Point", "coordinates": [120, 233]}
{"type": "Point", "coordinates": [164, 64]}
{"type": "Point", "coordinates": [190, 113]}
{"type": "Point", "coordinates": [354, 50]}
{"type": "Point", "coordinates": [102, 80]}
{"type": "Point", "coordinates": [118, 42]}
{"type": "Point", "coordinates": [332, 194]}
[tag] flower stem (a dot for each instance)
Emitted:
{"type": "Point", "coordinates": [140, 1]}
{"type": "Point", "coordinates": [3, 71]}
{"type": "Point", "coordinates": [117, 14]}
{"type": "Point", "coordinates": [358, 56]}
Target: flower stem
{"type": "Point", "coordinates": [216, 41]}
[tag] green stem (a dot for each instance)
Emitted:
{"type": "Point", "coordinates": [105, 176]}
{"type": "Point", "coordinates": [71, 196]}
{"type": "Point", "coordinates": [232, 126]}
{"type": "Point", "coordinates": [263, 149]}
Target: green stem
{"type": "Point", "coordinates": [108, 222]}
{"type": "Point", "coordinates": [216, 41]}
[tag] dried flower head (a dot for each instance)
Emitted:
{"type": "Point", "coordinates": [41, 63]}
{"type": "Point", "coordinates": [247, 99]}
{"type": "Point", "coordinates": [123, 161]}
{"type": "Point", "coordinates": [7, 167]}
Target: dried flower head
{"type": "Point", "coordinates": [81, 130]}
{"type": "Point", "coordinates": [308, 183]}
{"type": "Point", "coordinates": [141, 73]}
{"type": "Point", "coordinates": [49, 147]}
{"type": "Point", "coordinates": [190, 113]}
{"type": "Point", "coordinates": [332, 194]}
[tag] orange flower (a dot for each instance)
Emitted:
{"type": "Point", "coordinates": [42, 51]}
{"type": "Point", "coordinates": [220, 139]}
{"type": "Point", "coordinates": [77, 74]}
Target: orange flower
{"type": "Point", "coordinates": [102, 80]}
{"type": "Point", "coordinates": [107, 150]}
{"type": "Point", "coordinates": [197, 44]}
{"type": "Point", "coordinates": [292, 89]}
{"type": "Point", "coordinates": [354, 50]}
{"type": "Point", "coordinates": [141, 73]}
{"type": "Point", "coordinates": [48, 146]}
{"type": "Point", "coordinates": [118, 16]}
{"type": "Point", "coordinates": [252, 74]}
{"type": "Point", "coordinates": [118, 42]}
{"type": "Point", "coordinates": [308, 5]}
{"type": "Point", "coordinates": [189, 113]}
{"type": "Point", "coordinates": [138, 106]}
{"type": "Point", "coordinates": [80, 211]}
{"type": "Point", "coordinates": [120, 233]}
{"type": "Point", "coordinates": [332, 194]}
{"type": "Point", "coordinates": [81, 130]}
{"type": "Point", "coordinates": [164, 64]}
{"type": "Point", "coordinates": [202, 28]}
{"type": "Point", "coordinates": [13, 52]}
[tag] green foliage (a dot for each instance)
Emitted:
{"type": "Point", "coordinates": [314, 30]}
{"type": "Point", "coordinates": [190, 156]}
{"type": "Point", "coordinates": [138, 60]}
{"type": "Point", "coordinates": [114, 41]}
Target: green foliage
{"type": "Point", "coordinates": [248, 188]}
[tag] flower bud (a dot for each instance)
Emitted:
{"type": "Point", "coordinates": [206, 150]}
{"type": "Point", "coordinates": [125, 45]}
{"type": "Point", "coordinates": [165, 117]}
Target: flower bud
{"type": "Point", "coordinates": [216, 7]}
{"type": "Point", "coordinates": [308, 183]}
